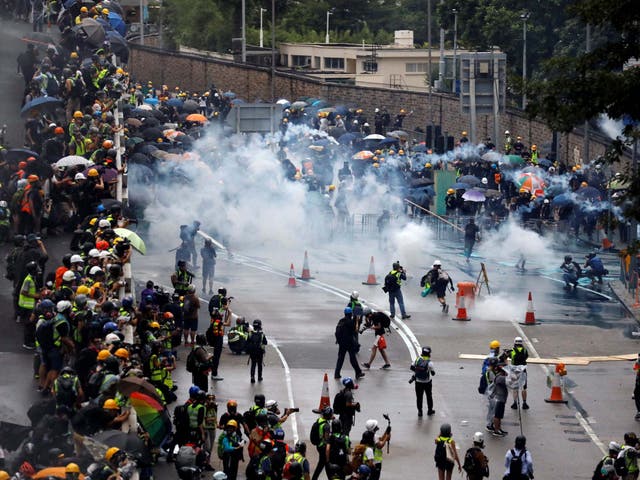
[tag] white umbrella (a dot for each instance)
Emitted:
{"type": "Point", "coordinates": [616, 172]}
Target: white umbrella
{"type": "Point", "coordinates": [283, 101]}
{"type": "Point", "coordinates": [145, 106]}
{"type": "Point", "coordinates": [72, 161]}
{"type": "Point", "coordinates": [374, 136]}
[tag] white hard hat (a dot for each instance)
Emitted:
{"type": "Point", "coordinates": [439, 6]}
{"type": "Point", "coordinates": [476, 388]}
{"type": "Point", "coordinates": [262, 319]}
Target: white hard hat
{"type": "Point", "coordinates": [94, 252]}
{"type": "Point", "coordinates": [478, 437]}
{"type": "Point", "coordinates": [94, 270]}
{"type": "Point", "coordinates": [76, 259]}
{"type": "Point", "coordinates": [355, 294]}
{"type": "Point", "coordinates": [80, 176]}
{"type": "Point", "coordinates": [485, 181]}
{"type": "Point", "coordinates": [104, 253]}
{"type": "Point", "coordinates": [63, 305]}
{"type": "Point", "coordinates": [437, 263]}
{"type": "Point", "coordinates": [615, 446]}
{"type": "Point", "coordinates": [517, 340]}
{"type": "Point", "coordinates": [506, 132]}
{"type": "Point", "coordinates": [104, 223]}
{"type": "Point", "coordinates": [111, 338]}
{"type": "Point", "coordinates": [68, 276]}
{"type": "Point", "coordinates": [371, 425]}
{"type": "Point", "coordinates": [219, 475]}
{"type": "Point", "coordinates": [269, 404]}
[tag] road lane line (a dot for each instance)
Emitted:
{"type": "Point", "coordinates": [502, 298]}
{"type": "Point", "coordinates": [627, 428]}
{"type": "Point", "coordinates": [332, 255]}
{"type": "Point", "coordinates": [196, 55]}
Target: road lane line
{"type": "Point", "coordinates": [287, 377]}
{"type": "Point", "coordinates": [580, 287]}
{"type": "Point", "coordinates": [549, 371]}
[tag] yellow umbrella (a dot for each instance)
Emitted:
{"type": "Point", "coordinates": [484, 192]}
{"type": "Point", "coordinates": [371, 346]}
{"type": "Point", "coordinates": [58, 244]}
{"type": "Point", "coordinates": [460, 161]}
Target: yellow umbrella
{"type": "Point", "coordinates": [133, 237]}
{"type": "Point", "coordinates": [57, 472]}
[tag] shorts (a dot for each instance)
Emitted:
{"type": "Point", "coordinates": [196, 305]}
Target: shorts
{"type": "Point", "coordinates": [52, 359]}
{"type": "Point", "coordinates": [190, 324]}
{"type": "Point", "coordinates": [380, 342]}
{"type": "Point", "coordinates": [499, 410]}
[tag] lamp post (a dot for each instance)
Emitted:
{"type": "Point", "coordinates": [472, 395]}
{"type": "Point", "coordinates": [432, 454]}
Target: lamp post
{"type": "Point", "coordinates": [262, 10]}
{"type": "Point", "coordinates": [244, 31]}
{"type": "Point", "coordinates": [524, 17]}
{"type": "Point", "coordinates": [455, 48]}
{"type": "Point", "coordinates": [326, 37]}
{"type": "Point", "coordinates": [273, 51]}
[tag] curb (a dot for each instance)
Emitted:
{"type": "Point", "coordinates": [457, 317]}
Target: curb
{"type": "Point", "coordinates": [629, 310]}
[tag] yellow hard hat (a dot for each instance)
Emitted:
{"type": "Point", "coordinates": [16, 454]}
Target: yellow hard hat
{"type": "Point", "coordinates": [584, 184]}
{"type": "Point", "coordinates": [72, 468]}
{"type": "Point", "coordinates": [427, 165]}
{"type": "Point", "coordinates": [105, 11]}
{"type": "Point", "coordinates": [376, 165]}
{"type": "Point", "coordinates": [78, 114]}
{"type": "Point", "coordinates": [400, 152]}
{"type": "Point", "coordinates": [84, 10]}
{"type": "Point", "coordinates": [122, 353]}
{"type": "Point", "coordinates": [391, 152]}
{"type": "Point", "coordinates": [332, 188]}
{"type": "Point", "coordinates": [110, 404]}
{"type": "Point", "coordinates": [82, 290]}
{"type": "Point", "coordinates": [523, 190]}
{"type": "Point", "coordinates": [119, 71]}
{"type": "Point", "coordinates": [154, 325]}
{"type": "Point", "coordinates": [93, 172]}
{"type": "Point", "coordinates": [534, 147]}
{"type": "Point", "coordinates": [402, 111]}
{"type": "Point", "coordinates": [110, 453]}
{"type": "Point", "coordinates": [464, 133]}
{"type": "Point", "coordinates": [103, 355]}
{"type": "Point", "coordinates": [74, 55]}
{"type": "Point", "coordinates": [4, 475]}
{"type": "Point", "coordinates": [450, 191]}
{"type": "Point", "coordinates": [494, 344]}
{"type": "Point", "coordinates": [232, 423]}
{"type": "Point", "coordinates": [378, 152]}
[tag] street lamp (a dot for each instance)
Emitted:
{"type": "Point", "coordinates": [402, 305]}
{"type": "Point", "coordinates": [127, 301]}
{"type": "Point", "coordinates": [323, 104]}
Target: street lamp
{"type": "Point", "coordinates": [262, 10]}
{"type": "Point", "coordinates": [455, 48]}
{"type": "Point", "coordinates": [524, 16]}
{"type": "Point", "coordinates": [326, 38]}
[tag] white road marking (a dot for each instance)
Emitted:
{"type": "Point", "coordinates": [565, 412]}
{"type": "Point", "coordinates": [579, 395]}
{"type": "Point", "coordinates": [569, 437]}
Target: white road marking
{"type": "Point", "coordinates": [287, 377]}
{"type": "Point", "coordinates": [579, 286]}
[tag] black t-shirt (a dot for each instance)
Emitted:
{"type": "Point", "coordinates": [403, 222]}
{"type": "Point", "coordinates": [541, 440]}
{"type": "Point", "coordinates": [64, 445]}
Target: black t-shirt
{"type": "Point", "coordinates": [470, 231]}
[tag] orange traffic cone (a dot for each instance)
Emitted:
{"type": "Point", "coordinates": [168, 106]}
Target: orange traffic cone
{"type": "Point", "coordinates": [556, 389]}
{"type": "Point", "coordinates": [325, 400]}
{"type": "Point", "coordinates": [530, 317]}
{"type": "Point", "coordinates": [371, 278]}
{"type": "Point", "coordinates": [462, 309]}
{"type": "Point", "coordinates": [292, 278]}
{"type": "Point", "coordinates": [306, 273]}
{"type": "Point", "coordinates": [606, 243]}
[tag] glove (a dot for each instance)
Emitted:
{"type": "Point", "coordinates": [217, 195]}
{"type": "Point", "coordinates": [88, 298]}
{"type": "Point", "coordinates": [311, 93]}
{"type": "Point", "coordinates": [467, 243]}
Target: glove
{"type": "Point", "coordinates": [388, 430]}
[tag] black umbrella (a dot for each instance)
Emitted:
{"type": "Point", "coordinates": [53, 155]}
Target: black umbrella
{"type": "Point", "coordinates": [18, 154]}
{"type": "Point", "coordinates": [119, 45]}
{"type": "Point", "coordinates": [93, 30]}
{"type": "Point", "coordinates": [138, 158]}
{"type": "Point", "coordinates": [40, 104]}
{"type": "Point", "coordinates": [190, 106]}
{"type": "Point", "coordinates": [147, 149]}
{"type": "Point", "coordinates": [13, 434]}
{"type": "Point", "coordinates": [129, 442]}
{"type": "Point", "coordinates": [150, 122]}
{"type": "Point", "coordinates": [152, 133]}
{"type": "Point", "coordinates": [109, 203]}
{"type": "Point", "coordinates": [420, 182]}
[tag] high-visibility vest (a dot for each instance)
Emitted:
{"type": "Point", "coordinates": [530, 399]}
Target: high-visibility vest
{"type": "Point", "coordinates": [155, 369]}
{"type": "Point", "coordinates": [193, 412]}
{"type": "Point", "coordinates": [28, 302]}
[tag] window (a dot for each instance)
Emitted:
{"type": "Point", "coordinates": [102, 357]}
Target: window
{"type": "Point", "coordinates": [416, 67]}
{"type": "Point", "coordinates": [300, 60]}
{"type": "Point", "coordinates": [333, 63]}
{"type": "Point", "coordinates": [370, 66]}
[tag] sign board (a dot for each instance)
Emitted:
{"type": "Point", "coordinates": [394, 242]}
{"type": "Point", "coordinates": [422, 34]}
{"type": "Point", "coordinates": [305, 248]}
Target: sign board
{"type": "Point", "coordinates": [255, 117]}
{"type": "Point", "coordinates": [483, 80]}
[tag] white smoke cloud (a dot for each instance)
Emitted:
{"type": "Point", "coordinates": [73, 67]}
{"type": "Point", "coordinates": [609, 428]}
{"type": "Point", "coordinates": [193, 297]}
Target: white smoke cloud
{"type": "Point", "coordinates": [612, 128]}
{"type": "Point", "coordinates": [511, 240]}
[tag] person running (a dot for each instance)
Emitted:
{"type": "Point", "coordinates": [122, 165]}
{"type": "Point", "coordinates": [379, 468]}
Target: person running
{"type": "Point", "coordinates": [377, 321]}
{"type": "Point", "coordinates": [423, 370]}
{"type": "Point", "coordinates": [476, 463]}
{"type": "Point", "coordinates": [446, 455]}
{"type": "Point", "coordinates": [518, 461]}
{"type": "Point", "coordinates": [392, 286]}
{"type": "Point", "coordinates": [439, 280]}
{"type": "Point", "coordinates": [471, 232]}
{"type": "Point", "coordinates": [346, 339]}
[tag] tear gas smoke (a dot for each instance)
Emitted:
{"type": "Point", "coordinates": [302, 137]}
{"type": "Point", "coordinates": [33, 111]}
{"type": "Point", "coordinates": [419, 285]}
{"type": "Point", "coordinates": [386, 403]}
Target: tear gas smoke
{"type": "Point", "coordinates": [510, 241]}
{"type": "Point", "coordinates": [612, 128]}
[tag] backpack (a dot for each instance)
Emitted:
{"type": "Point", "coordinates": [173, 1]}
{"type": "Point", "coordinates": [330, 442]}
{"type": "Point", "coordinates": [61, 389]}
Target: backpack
{"type": "Point", "coordinates": [390, 283]}
{"type": "Point", "coordinates": [620, 465]}
{"type": "Point", "coordinates": [422, 369]}
{"type": "Point", "coordinates": [193, 364]}
{"type": "Point", "coordinates": [94, 383]}
{"type": "Point", "coordinates": [338, 451]}
{"type": "Point", "coordinates": [44, 333]}
{"type": "Point", "coordinates": [252, 468]}
{"type": "Point", "coordinates": [443, 277]}
{"type": "Point", "coordinates": [440, 456]}
{"type": "Point", "coordinates": [515, 466]}
{"type": "Point", "coordinates": [65, 388]}
{"type": "Point", "coordinates": [220, 446]}
{"type": "Point", "coordinates": [93, 328]}
{"type": "Point", "coordinates": [78, 89]}
{"type": "Point", "coordinates": [472, 466]}
{"type": "Point", "coordinates": [279, 457]}
{"type": "Point", "coordinates": [53, 87]}
{"type": "Point", "coordinates": [482, 387]}
{"type": "Point", "coordinates": [314, 435]}
{"type": "Point", "coordinates": [181, 417]}
{"type": "Point", "coordinates": [597, 473]}
{"type": "Point", "coordinates": [340, 403]}
{"type": "Point", "coordinates": [253, 345]}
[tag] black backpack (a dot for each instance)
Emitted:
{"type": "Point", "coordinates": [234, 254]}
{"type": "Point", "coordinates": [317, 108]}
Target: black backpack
{"type": "Point", "coordinates": [252, 468]}
{"type": "Point", "coordinates": [472, 466]}
{"type": "Point", "coordinates": [422, 369]}
{"type": "Point", "coordinates": [44, 334]}
{"type": "Point", "coordinates": [482, 386]}
{"type": "Point", "coordinates": [338, 451]}
{"type": "Point", "coordinates": [314, 436]}
{"type": "Point", "coordinates": [53, 87]}
{"type": "Point", "coordinates": [341, 332]}
{"type": "Point", "coordinates": [515, 466]}
{"type": "Point", "coordinates": [340, 403]}
{"type": "Point", "coordinates": [193, 364]}
{"type": "Point", "coordinates": [440, 456]}
{"type": "Point", "coordinates": [94, 383]}
{"type": "Point", "coordinates": [390, 283]}
{"type": "Point", "coordinates": [254, 343]}
{"type": "Point", "coordinates": [66, 392]}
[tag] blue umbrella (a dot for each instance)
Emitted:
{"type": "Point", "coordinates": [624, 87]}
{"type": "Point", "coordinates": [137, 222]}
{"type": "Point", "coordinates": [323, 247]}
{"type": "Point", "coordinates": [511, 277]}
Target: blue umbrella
{"type": "Point", "coordinates": [347, 138]}
{"type": "Point", "coordinates": [562, 200]}
{"type": "Point", "coordinates": [320, 104]}
{"type": "Point", "coordinates": [151, 101]}
{"type": "Point", "coordinates": [589, 193]}
{"type": "Point", "coordinates": [342, 110]}
{"type": "Point", "coordinates": [459, 186]}
{"type": "Point", "coordinates": [117, 23]}
{"type": "Point", "coordinates": [469, 179]}
{"type": "Point", "coordinates": [176, 103]}
{"type": "Point", "coordinates": [545, 162]}
{"type": "Point", "coordinates": [69, 3]}
{"type": "Point", "coordinates": [105, 24]}
{"type": "Point", "coordinates": [229, 94]}
{"type": "Point", "coordinates": [40, 104]}
{"type": "Point", "coordinates": [18, 154]}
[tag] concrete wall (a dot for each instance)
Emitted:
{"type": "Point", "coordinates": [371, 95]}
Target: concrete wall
{"type": "Point", "coordinates": [196, 73]}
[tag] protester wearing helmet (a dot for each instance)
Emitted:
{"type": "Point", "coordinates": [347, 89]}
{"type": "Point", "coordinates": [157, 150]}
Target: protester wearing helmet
{"type": "Point", "coordinates": [423, 372]}
{"type": "Point", "coordinates": [255, 347]}
{"type": "Point", "coordinates": [478, 467]}
{"type": "Point", "coordinates": [345, 404]}
{"type": "Point", "coordinates": [347, 340]}
{"type": "Point", "coordinates": [518, 356]}
{"type": "Point", "coordinates": [231, 446]}
{"type": "Point", "coordinates": [322, 427]}
{"type": "Point", "coordinates": [27, 297]}
{"type": "Point", "coordinates": [392, 286]}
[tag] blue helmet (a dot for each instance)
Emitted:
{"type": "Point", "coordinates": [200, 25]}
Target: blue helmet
{"type": "Point", "coordinates": [193, 391]}
{"type": "Point", "coordinates": [364, 470]}
{"type": "Point", "coordinates": [109, 327]}
{"type": "Point", "coordinates": [127, 302]}
{"type": "Point", "coordinates": [347, 381]}
{"type": "Point", "coordinates": [348, 310]}
{"type": "Point", "coordinates": [278, 434]}
{"type": "Point", "coordinates": [47, 304]}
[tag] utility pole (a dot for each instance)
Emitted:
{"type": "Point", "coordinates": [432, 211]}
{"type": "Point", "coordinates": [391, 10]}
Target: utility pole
{"type": "Point", "coordinates": [429, 94]}
{"type": "Point", "coordinates": [585, 138]}
{"type": "Point", "coordinates": [455, 49]}
{"type": "Point", "coordinates": [273, 50]}
{"type": "Point", "coordinates": [244, 31]}
{"type": "Point", "coordinates": [441, 65]}
{"type": "Point", "coordinates": [524, 17]}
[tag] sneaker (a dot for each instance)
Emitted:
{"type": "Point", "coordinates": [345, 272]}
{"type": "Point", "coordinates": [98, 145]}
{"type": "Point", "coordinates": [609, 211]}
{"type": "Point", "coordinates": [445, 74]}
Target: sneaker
{"type": "Point", "coordinates": [28, 346]}
{"type": "Point", "coordinates": [446, 308]}
{"type": "Point", "coordinates": [360, 375]}
{"type": "Point", "coordinates": [366, 365]}
{"type": "Point", "coordinates": [497, 433]}
{"type": "Point", "coordinates": [216, 378]}
{"type": "Point", "coordinates": [253, 380]}
{"type": "Point", "coordinates": [406, 317]}
{"type": "Point", "coordinates": [431, 412]}
{"type": "Point", "coordinates": [386, 366]}
{"type": "Point", "coordinates": [514, 406]}
{"type": "Point", "coordinates": [489, 428]}
{"type": "Point", "coordinates": [259, 379]}
{"type": "Point", "coordinates": [525, 406]}
{"type": "Point", "coordinates": [419, 413]}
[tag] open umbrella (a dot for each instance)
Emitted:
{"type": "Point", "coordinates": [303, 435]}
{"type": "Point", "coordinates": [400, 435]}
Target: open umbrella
{"type": "Point", "coordinates": [134, 122]}
{"type": "Point", "coordinates": [474, 196]}
{"type": "Point", "coordinates": [93, 30]}
{"type": "Point", "coordinates": [545, 162]}
{"type": "Point", "coordinates": [196, 117]}
{"type": "Point", "coordinates": [229, 94]}
{"type": "Point", "coordinates": [562, 200]}
{"type": "Point", "coordinates": [128, 385]}
{"type": "Point", "coordinates": [190, 106]}
{"type": "Point", "coordinates": [336, 132]}
{"type": "Point", "coordinates": [129, 442]}
{"type": "Point", "coordinates": [419, 148]}
{"type": "Point", "coordinates": [460, 186]}
{"type": "Point", "coordinates": [72, 161]}
{"type": "Point", "coordinates": [18, 154]}
{"type": "Point", "coordinates": [388, 141]}
{"type": "Point", "coordinates": [299, 104]}
{"type": "Point", "coordinates": [398, 134]}
{"type": "Point", "coordinates": [492, 156]}
{"type": "Point", "coordinates": [114, 6]}
{"type": "Point", "coordinates": [119, 45]}
{"type": "Point", "coordinates": [420, 182]}
{"type": "Point", "coordinates": [284, 102]}
{"type": "Point", "coordinates": [153, 101]}
{"type": "Point", "coordinates": [363, 155]}
{"type": "Point", "coordinates": [108, 204]}
{"type": "Point", "coordinates": [514, 159]}
{"type": "Point", "coordinates": [374, 136]}
{"type": "Point", "coordinates": [589, 193]}
{"type": "Point", "coordinates": [469, 180]}
{"type": "Point", "coordinates": [39, 38]}
{"type": "Point", "coordinates": [152, 416]}
{"type": "Point", "coordinates": [117, 23]}
{"type": "Point", "coordinates": [13, 434]}
{"type": "Point", "coordinates": [531, 183]}
{"type": "Point", "coordinates": [175, 103]}
{"type": "Point", "coordinates": [133, 237]}
{"type": "Point", "coordinates": [57, 472]}
{"type": "Point", "coordinates": [40, 105]}
{"type": "Point", "coordinates": [347, 138]}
